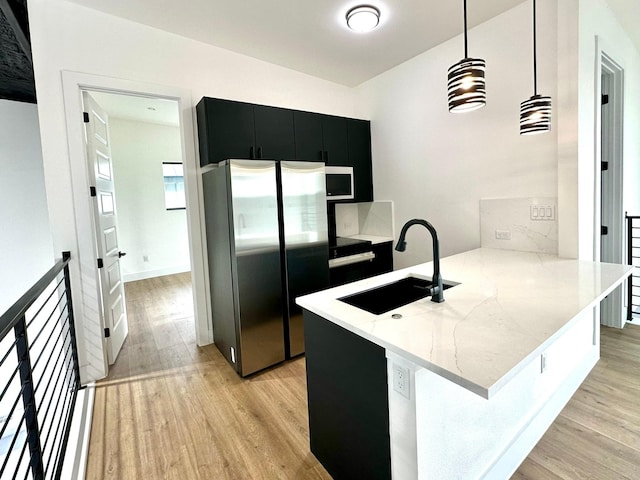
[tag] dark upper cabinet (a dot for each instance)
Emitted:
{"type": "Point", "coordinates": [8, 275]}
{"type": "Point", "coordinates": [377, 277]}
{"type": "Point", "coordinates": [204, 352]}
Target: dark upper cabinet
{"type": "Point", "coordinates": [274, 133]}
{"type": "Point", "coordinates": [308, 133]}
{"type": "Point", "coordinates": [225, 130]}
{"type": "Point", "coordinates": [359, 140]}
{"type": "Point", "coordinates": [321, 138]}
{"type": "Point", "coordinates": [228, 129]}
{"type": "Point", "coordinates": [334, 134]}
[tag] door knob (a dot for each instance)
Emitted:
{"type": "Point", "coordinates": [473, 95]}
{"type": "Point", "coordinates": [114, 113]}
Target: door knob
{"type": "Point", "coordinates": [121, 254]}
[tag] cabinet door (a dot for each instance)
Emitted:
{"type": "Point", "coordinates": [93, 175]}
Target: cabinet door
{"type": "Point", "coordinates": [229, 131]}
{"type": "Point", "coordinates": [308, 135]}
{"type": "Point", "coordinates": [334, 135]}
{"type": "Point", "coordinates": [274, 133]}
{"type": "Point", "coordinates": [359, 137]}
{"type": "Point", "coordinates": [347, 400]}
{"type": "Point", "coordinates": [383, 263]}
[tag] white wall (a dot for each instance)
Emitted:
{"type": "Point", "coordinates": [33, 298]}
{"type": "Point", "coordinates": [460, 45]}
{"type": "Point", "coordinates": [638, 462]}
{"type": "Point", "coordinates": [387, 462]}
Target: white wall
{"type": "Point", "coordinates": [68, 37]}
{"type": "Point", "coordinates": [437, 165]}
{"type": "Point", "coordinates": [146, 227]}
{"type": "Point", "coordinates": [26, 249]}
{"type": "Point", "coordinates": [596, 19]}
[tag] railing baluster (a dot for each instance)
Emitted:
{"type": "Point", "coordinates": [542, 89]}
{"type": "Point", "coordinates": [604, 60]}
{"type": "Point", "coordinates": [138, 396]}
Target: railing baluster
{"type": "Point", "coordinates": [72, 323]}
{"type": "Point", "coordinates": [44, 426]}
{"type": "Point", "coordinates": [630, 260]}
{"type": "Point", "coordinates": [28, 399]}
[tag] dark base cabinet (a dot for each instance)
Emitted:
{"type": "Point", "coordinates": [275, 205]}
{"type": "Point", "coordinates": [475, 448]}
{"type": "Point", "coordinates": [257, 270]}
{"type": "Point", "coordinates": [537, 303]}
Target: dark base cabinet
{"type": "Point", "coordinates": [348, 402]}
{"type": "Point", "coordinates": [383, 263]}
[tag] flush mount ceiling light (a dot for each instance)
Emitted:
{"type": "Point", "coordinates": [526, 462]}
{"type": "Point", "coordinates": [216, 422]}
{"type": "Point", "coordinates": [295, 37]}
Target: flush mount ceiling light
{"type": "Point", "coordinates": [466, 87]}
{"type": "Point", "coordinates": [535, 113]}
{"type": "Point", "coordinates": [363, 18]}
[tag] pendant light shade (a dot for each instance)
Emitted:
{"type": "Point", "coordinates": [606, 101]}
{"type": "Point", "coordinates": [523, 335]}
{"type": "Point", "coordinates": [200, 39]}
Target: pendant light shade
{"type": "Point", "coordinates": [466, 86]}
{"type": "Point", "coordinates": [535, 112]}
{"type": "Point", "coordinates": [535, 115]}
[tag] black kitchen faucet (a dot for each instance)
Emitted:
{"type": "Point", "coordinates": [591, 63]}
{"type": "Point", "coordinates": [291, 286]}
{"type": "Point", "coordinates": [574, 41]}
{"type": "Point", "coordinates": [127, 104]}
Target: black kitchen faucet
{"type": "Point", "coordinates": [436, 288]}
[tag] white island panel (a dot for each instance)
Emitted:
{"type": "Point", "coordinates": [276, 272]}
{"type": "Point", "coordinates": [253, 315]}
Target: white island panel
{"type": "Point", "coordinates": [461, 435]}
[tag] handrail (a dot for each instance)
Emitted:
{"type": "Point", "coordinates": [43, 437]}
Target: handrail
{"type": "Point", "coordinates": [34, 421]}
{"type": "Point", "coordinates": [9, 319]}
{"type": "Point", "coordinates": [633, 258]}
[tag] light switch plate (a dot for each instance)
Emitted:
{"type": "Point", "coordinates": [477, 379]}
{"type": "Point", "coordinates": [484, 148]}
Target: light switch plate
{"type": "Point", "coordinates": [543, 212]}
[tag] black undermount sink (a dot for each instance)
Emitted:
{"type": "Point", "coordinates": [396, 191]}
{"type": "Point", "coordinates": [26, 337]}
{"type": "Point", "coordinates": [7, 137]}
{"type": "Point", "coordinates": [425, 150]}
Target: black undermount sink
{"type": "Point", "coordinates": [385, 298]}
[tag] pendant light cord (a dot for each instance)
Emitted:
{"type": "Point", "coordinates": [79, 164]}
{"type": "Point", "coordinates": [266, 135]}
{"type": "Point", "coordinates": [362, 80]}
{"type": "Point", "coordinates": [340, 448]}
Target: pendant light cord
{"type": "Point", "coordinates": [535, 66]}
{"type": "Point", "coordinates": [466, 55]}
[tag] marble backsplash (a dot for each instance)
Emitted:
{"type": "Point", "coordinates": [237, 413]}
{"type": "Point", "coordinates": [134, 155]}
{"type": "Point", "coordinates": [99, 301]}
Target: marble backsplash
{"type": "Point", "coordinates": [371, 218]}
{"type": "Point", "coordinates": [522, 224]}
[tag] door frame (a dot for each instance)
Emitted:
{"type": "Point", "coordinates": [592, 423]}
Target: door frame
{"type": "Point", "coordinates": [611, 308]}
{"type": "Point", "coordinates": [73, 83]}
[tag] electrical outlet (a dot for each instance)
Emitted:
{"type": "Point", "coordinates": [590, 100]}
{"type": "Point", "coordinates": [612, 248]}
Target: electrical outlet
{"type": "Point", "coordinates": [503, 234]}
{"type": "Point", "coordinates": [145, 258]}
{"type": "Point", "coordinates": [401, 380]}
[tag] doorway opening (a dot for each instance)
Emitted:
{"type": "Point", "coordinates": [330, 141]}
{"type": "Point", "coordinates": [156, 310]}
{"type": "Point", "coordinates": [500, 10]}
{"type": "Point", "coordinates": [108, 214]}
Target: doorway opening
{"type": "Point", "coordinates": [610, 241]}
{"type": "Point", "coordinates": [142, 151]}
{"type": "Point", "coordinates": [92, 348]}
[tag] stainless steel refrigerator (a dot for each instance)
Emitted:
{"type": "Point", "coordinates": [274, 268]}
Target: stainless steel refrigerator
{"type": "Point", "coordinates": [267, 244]}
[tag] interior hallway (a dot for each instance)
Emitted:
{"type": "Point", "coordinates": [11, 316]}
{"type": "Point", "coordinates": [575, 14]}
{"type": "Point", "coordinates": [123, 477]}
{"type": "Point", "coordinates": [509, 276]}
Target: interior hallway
{"type": "Point", "coordinates": [172, 410]}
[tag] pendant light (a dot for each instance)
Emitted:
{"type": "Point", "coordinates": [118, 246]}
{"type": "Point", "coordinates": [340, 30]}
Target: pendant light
{"type": "Point", "coordinates": [466, 87]}
{"type": "Point", "coordinates": [535, 113]}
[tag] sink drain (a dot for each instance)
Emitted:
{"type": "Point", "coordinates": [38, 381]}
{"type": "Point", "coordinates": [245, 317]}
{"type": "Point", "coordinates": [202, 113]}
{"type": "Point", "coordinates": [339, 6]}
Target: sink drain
{"type": "Point", "coordinates": [396, 316]}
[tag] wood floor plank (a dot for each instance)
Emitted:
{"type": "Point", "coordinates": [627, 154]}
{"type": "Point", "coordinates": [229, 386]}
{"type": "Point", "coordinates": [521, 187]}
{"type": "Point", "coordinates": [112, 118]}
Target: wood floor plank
{"type": "Point", "coordinates": [185, 413]}
{"type": "Point", "coordinates": [172, 410]}
{"type": "Point", "coordinates": [597, 435]}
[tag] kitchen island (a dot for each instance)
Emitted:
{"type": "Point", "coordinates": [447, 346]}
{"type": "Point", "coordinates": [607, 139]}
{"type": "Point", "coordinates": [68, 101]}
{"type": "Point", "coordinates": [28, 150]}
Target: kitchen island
{"type": "Point", "coordinates": [473, 382]}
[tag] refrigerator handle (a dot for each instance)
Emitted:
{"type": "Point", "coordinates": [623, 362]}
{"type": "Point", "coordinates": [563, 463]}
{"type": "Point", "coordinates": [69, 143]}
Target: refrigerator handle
{"type": "Point", "coordinates": [251, 153]}
{"type": "Point", "coordinates": [259, 152]}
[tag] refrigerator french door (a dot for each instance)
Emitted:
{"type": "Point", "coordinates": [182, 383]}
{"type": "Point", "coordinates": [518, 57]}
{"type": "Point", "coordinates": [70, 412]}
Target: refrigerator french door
{"type": "Point", "coordinates": [305, 241]}
{"type": "Point", "coordinates": [267, 244]}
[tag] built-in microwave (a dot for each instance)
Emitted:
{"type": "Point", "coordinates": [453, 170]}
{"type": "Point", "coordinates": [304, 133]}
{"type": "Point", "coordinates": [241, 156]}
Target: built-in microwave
{"type": "Point", "coordinates": [339, 183]}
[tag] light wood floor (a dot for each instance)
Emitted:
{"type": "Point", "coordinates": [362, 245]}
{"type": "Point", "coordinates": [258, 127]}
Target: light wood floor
{"type": "Point", "coordinates": [172, 410]}
{"type": "Point", "coordinates": [597, 435]}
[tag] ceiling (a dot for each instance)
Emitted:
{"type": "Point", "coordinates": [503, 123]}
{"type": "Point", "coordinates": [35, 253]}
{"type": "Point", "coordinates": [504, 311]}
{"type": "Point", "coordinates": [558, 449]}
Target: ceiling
{"type": "Point", "coordinates": [16, 70]}
{"type": "Point", "coordinates": [142, 109]}
{"type": "Point", "coordinates": [309, 36]}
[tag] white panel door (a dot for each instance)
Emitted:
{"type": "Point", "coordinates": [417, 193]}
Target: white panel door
{"type": "Point", "coordinates": [106, 227]}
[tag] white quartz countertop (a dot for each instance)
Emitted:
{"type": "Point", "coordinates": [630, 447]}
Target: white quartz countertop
{"type": "Point", "coordinates": [508, 307]}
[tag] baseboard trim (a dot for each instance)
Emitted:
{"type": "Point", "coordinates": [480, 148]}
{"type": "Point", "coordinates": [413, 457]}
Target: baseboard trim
{"type": "Point", "coordinates": [75, 461]}
{"type": "Point", "coordinates": [159, 272]}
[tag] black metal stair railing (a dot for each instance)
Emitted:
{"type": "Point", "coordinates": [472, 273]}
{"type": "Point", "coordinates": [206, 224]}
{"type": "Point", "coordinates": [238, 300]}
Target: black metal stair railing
{"type": "Point", "coordinates": [633, 258]}
{"type": "Point", "coordinates": [39, 378]}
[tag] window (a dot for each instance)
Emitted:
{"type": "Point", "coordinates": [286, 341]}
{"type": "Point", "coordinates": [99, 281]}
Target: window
{"type": "Point", "coordinates": [173, 173]}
